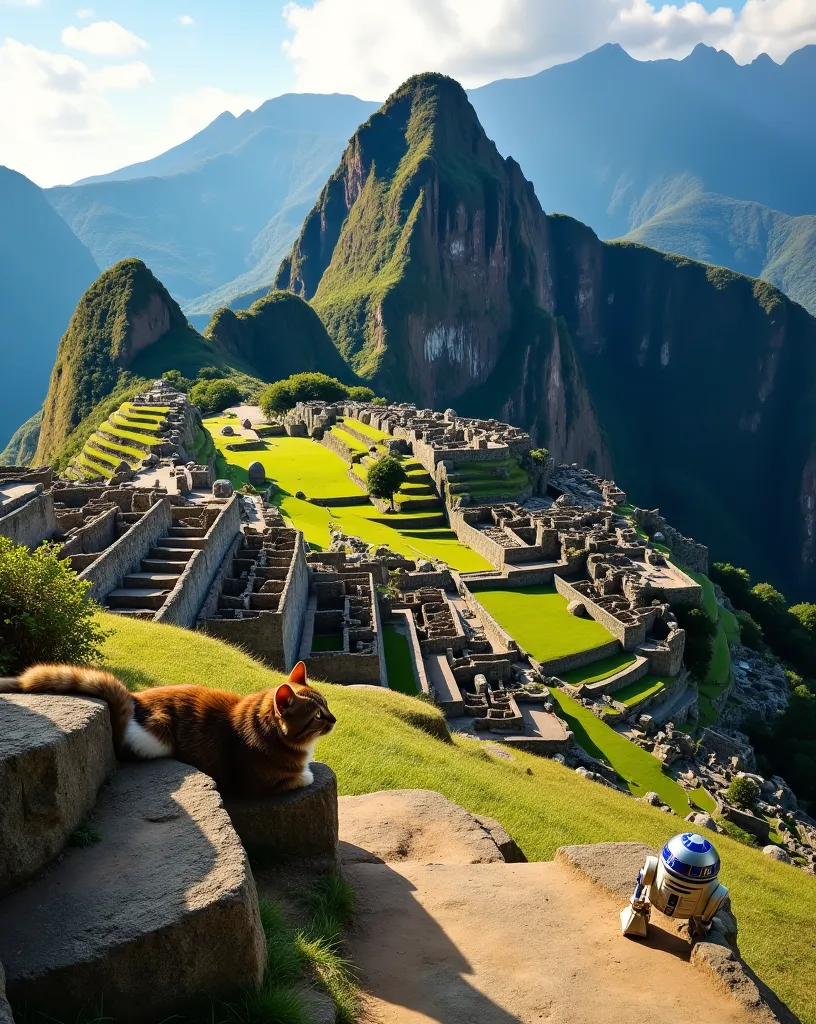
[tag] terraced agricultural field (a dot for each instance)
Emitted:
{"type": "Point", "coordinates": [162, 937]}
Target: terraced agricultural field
{"type": "Point", "coordinates": [126, 436]}
{"type": "Point", "coordinates": [297, 464]}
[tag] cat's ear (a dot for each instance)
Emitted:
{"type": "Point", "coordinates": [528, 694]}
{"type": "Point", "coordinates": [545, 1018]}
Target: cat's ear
{"type": "Point", "coordinates": [298, 674]}
{"type": "Point", "coordinates": [284, 697]}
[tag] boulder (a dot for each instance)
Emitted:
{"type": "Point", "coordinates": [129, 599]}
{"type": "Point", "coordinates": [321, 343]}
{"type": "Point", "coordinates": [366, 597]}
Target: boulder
{"type": "Point", "coordinates": [776, 853]}
{"type": "Point", "coordinates": [300, 495]}
{"type": "Point", "coordinates": [508, 848]}
{"type": "Point", "coordinates": [222, 489]}
{"type": "Point", "coordinates": [299, 823]}
{"type": "Point", "coordinates": [227, 431]}
{"type": "Point", "coordinates": [651, 798]}
{"type": "Point", "coordinates": [55, 753]}
{"type": "Point", "coordinates": [246, 424]}
{"type": "Point", "coordinates": [256, 474]}
{"type": "Point", "coordinates": [162, 909]}
{"type": "Point", "coordinates": [702, 820]}
{"type": "Point", "coordinates": [417, 825]}
{"type": "Point", "coordinates": [577, 608]}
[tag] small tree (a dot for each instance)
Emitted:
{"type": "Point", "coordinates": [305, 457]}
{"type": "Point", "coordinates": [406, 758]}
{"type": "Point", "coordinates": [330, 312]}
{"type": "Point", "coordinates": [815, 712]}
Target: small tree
{"type": "Point", "coordinates": [44, 613]}
{"type": "Point", "coordinates": [700, 633]}
{"type": "Point", "coordinates": [742, 793]}
{"type": "Point", "coordinates": [175, 379]}
{"type": "Point", "coordinates": [385, 478]}
{"type": "Point", "coordinates": [213, 396]}
{"type": "Point", "coordinates": [361, 394]}
{"type": "Point", "coordinates": [750, 631]}
{"type": "Point", "coordinates": [210, 373]}
{"type": "Point", "coordinates": [284, 395]}
{"type": "Point", "coordinates": [539, 455]}
{"type": "Point", "coordinates": [806, 614]}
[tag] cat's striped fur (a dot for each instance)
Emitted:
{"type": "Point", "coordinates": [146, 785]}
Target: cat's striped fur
{"type": "Point", "coordinates": [249, 745]}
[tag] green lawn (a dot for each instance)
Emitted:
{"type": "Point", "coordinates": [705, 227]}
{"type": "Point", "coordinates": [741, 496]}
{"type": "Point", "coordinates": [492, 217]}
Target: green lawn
{"type": "Point", "coordinates": [367, 430]}
{"type": "Point", "coordinates": [639, 691]}
{"type": "Point", "coordinates": [729, 623]}
{"type": "Point", "coordinates": [638, 767]}
{"type": "Point", "coordinates": [354, 443]}
{"type": "Point", "coordinates": [398, 662]}
{"type": "Point", "coordinates": [384, 740]}
{"type": "Point", "coordinates": [599, 670]}
{"type": "Point", "coordinates": [537, 618]}
{"type": "Point", "coordinates": [299, 464]}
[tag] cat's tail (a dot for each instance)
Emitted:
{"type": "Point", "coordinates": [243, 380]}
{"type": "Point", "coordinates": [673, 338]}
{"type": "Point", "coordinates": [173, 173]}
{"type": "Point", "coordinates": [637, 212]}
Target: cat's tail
{"type": "Point", "coordinates": [90, 682]}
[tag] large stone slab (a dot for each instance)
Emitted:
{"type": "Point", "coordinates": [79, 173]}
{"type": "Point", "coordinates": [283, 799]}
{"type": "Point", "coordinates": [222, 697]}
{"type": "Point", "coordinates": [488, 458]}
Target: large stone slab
{"type": "Point", "coordinates": [299, 823]}
{"type": "Point", "coordinates": [55, 753]}
{"type": "Point", "coordinates": [162, 909]}
{"type": "Point", "coordinates": [418, 825]}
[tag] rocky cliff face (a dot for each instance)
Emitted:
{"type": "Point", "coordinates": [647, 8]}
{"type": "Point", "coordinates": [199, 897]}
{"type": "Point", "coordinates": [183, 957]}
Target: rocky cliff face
{"type": "Point", "coordinates": [438, 275]}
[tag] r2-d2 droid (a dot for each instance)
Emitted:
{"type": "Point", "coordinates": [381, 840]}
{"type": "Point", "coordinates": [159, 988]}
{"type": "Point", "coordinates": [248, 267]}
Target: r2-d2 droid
{"type": "Point", "coordinates": [682, 883]}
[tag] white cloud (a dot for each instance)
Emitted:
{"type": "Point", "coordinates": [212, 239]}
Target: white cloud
{"type": "Point", "coordinates": [61, 124]}
{"type": "Point", "coordinates": [103, 37]}
{"type": "Point", "coordinates": [85, 12]}
{"type": "Point", "coordinates": [368, 47]}
{"type": "Point", "coordinates": [185, 19]}
{"type": "Point", "coordinates": [193, 111]}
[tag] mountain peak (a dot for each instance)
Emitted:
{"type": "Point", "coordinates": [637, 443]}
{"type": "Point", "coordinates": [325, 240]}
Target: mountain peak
{"type": "Point", "coordinates": [709, 55]}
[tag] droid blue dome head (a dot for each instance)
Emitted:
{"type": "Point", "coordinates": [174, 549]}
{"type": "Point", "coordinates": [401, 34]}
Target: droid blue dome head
{"type": "Point", "coordinates": [691, 856]}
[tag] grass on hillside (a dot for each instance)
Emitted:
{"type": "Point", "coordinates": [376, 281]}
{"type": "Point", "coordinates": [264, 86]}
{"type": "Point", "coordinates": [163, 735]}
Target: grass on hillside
{"type": "Point", "coordinates": [599, 670]}
{"type": "Point", "coordinates": [384, 740]}
{"type": "Point", "coordinates": [637, 692]}
{"type": "Point", "coordinates": [398, 662]}
{"type": "Point", "coordinates": [537, 618]}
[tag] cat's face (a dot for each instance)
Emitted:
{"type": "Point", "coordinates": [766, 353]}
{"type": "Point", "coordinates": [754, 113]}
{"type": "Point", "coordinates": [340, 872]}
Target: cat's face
{"type": "Point", "coordinates": [304, 711]}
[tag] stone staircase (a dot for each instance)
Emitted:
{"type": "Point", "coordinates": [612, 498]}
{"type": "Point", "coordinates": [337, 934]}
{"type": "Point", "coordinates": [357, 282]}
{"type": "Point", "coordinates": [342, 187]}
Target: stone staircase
{"type": "Point", "coordinates": [143, 593]}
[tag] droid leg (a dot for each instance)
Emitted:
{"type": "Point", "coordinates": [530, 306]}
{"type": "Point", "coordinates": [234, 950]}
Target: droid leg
{"type": "Point", "coordinates": [700, 926]}
{"type": "Point", "coordinates": [635, 917]}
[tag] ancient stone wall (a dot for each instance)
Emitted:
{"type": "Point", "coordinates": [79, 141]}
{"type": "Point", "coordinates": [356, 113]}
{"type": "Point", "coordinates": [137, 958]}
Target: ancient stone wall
{"type": "Point", "coordinates": [182, 606]}
{"type": "Point", "coordinates": [495, 634]}
{"type": "Point", "coordinates": [32, 523]}
{"type": "Point", "coordinates": [294, 601]}
{"type": "Point", "coordinates": [126, 554]}
{"type": "Point", "coordinates": [629, 635]}
{"type": "Point", "coordinates": [94, 536]}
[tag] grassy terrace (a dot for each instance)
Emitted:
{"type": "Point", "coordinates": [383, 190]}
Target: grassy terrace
{"type": "Point", "coordinates": [599, 670]}
{"type": "Point", "coordinates": [537, 618]}
{"type": "Point", "coordinates": [384, 740]}
{"type": "Point", "coordinates": [637, 692]}
{"type": "Point", "coordinates": [125, 437]}
{"type": "Point", "coordinates": [298, 464]}
{"type": "Point", "coordinates": [398, 662]}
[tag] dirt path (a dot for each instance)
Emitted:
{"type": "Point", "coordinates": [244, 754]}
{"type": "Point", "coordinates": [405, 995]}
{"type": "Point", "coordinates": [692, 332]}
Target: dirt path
{"type": "Point", "coordinates": [507, 943]}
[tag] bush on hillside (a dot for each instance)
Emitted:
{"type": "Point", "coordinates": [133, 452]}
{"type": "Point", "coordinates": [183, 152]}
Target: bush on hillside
{"type": "Point", "coordinates": [213, 396]}
{"type": "Point", "coordinates": [379, 401]}
{"type": "Point", "coordinates": [539, 455]}
{"type": "Point", "coordinates": [806, 614]}
{"type": "Point", "coordinates": [700, 633]}
{"type": "Point", "coordinates": [283, 395]}
{"type": "Point", "coordinates": [750, 631]}
{"type": "Point", "coordinates": [210, 373]}
{"type": "Point", "coordinates": [44, 613]}
{"type": "Point", "coordinates": [385, 478]}
{"type": "Point", "coordinates": [176, 380]}
{"type": "Point", "coordinates": [742, 793]}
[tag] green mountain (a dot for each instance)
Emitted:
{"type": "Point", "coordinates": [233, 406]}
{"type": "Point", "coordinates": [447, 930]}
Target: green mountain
{"type": "Point", "coordinates": [747, 237]}
{"type": "Point", "coordinates": [128, 330]}
{"type": "Point", "coordinates": [441, 280]}
{"type": "Point", "coordinates": [214, 216]}
{"type": "Point", "coordinates": [44, 269]}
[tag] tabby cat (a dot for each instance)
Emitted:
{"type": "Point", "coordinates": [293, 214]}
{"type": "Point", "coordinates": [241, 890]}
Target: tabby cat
{"type": "Point", "coordinates": [250, 746]}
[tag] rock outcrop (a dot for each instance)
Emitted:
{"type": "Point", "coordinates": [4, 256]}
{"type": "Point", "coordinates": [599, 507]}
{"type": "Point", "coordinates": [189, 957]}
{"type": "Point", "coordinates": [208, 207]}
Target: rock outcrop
{"type": "Point", "coordinates": [162, 909]}
{"type": "Point", "coordinates": [55, 753]}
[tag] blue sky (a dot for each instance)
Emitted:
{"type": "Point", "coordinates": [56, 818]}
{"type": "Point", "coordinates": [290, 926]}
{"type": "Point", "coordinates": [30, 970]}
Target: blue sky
{"type": "Point", "coordinates": [90, 85]}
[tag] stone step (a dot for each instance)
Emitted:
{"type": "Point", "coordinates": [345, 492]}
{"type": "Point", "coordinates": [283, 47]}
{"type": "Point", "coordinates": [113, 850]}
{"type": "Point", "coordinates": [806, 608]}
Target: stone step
{"type": "Point", "coordinates": [170, 553]}
{"type": "Point", "coordinates": [151, 580]}
{"type": "Point", "coordinates": [187, 531]}
{"type": "Point", "coordinates": [138, 597]}
{"type": "Point", "coordinates": [162, 909]}
{"type": "Point", "coordinates": [182, 543]}
{"type": "Point", "coordinates": [162, 565]}
{"type": "Point", "coordinates": [55, 753]}
{"type": "Point", "coordinates": [132, 517]}
{"type": "Point", "coordinates": [146, 614]}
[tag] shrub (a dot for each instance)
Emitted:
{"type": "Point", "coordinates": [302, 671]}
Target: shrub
{"type": "Point", "coordinates": [806, 614]}
{"type": "Point", "coordinates": [750, 631]}
{"type": "Point", "coordinates": [44, 613]}
{"type": "Point", "coordinates": [742, 793]}
{"type": "Point", "coordinates": [284, 395]}
{"type": "Point", "coordinates": [210, 373]}
{"type": "Point", "coordinates": [700, 633]}
{"type": "Point", "coordinates": [175, 379]}
{"type": "Point", "coordinates": [385, 478]}
{"type": "Point", "coordinates": [360, 394]}
{"type": "Point", "coordinates": [213, 396]}
{"type": "Point", "coordinates": [539, 455]}
{"type": "Point", "coordinates": [379, 401]}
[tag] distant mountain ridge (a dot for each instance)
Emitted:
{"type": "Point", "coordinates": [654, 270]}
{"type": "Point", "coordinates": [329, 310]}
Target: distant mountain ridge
{"type": "Point", "coordinates": [441, 280]}
{"type": "Point", "coordinates": [44, 269]}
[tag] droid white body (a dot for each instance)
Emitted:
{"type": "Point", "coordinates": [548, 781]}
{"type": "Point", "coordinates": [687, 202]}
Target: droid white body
{"type": "Point", "coordinates": [681, 883]}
